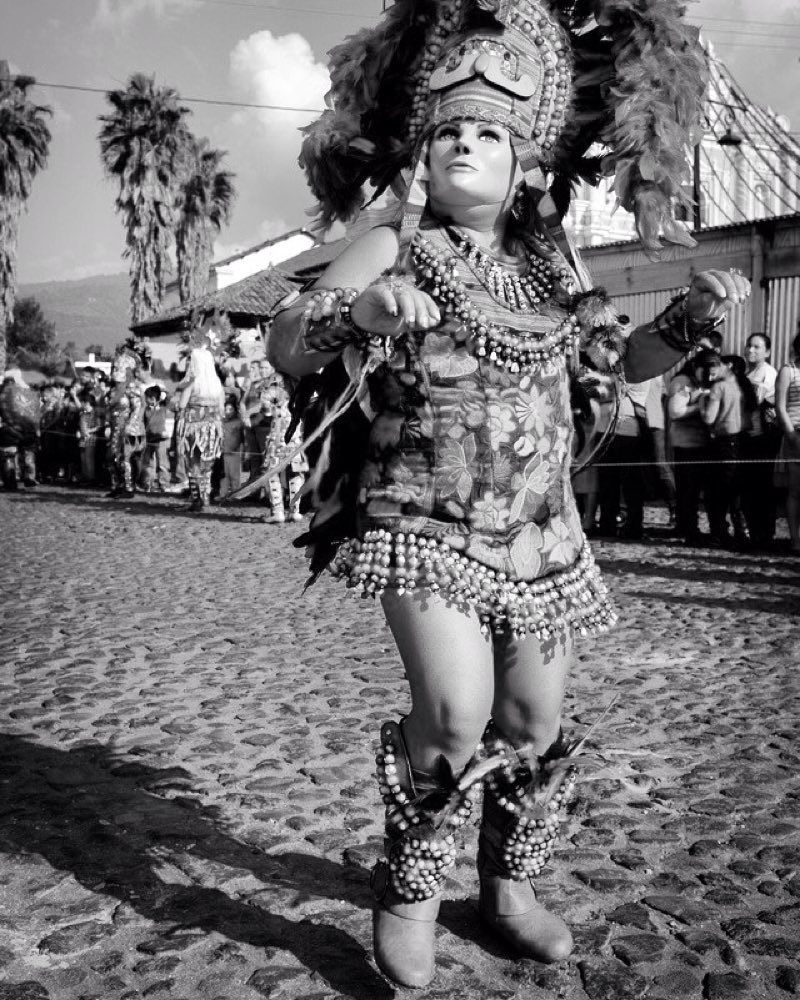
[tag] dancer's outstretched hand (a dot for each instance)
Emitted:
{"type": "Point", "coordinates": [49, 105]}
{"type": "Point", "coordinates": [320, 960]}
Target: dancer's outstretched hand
{"type": "Point", "coordinates": [393, 307]}
{"type": "Point", "coordinates": [713, 293]}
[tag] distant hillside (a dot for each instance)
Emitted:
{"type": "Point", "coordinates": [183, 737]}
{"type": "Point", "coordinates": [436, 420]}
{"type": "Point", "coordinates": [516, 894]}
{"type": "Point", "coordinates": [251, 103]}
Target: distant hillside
{"type": "Point", "coordinates": [90, 311]}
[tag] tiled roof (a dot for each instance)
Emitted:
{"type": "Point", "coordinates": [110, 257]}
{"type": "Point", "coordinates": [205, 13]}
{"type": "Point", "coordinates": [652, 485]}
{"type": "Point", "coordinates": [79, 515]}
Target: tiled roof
{"type": "Point", "coordinates": [311, 262]}
{"type": "Point", "coordinates": [256, 296]}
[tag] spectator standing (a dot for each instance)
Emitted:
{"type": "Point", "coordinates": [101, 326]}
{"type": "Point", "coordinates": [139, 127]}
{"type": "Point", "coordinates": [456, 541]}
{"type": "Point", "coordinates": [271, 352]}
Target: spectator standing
{"type": "Point", "coordinates": [721, 409]}
{"type": "Point", "coordinates": [655, 430]}
{"type": "Point", "coordinates": [255, 433]}
{"type": "Point", "coordinates": [232, 445]}
{"type": "Point", "coordinates": [760, 443]}
{"type": "Point", "coordinates": [689, 439]}
{"type": "Point", "coordinates": [157, 437]}
{"type": "Point", "coordinates": [89, 431]}
{"type": "Point", "coordinates": [787, 469]}
{"type": "Point", "coordinates": [621, 468]}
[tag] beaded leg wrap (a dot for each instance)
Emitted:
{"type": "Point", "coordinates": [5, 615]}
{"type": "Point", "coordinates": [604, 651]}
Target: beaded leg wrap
{"type": "Point", "coordinates": [194, 492]}
{"type": "Point", "coordinates": [525, 802]}
{"type": "Point", "coordinates": [421, 820]}
{"type": "Point", "coordinates": [204, 481]}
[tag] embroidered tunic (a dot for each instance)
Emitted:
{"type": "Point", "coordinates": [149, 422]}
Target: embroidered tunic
{"type": "Point", "coordinates": [466, 484]}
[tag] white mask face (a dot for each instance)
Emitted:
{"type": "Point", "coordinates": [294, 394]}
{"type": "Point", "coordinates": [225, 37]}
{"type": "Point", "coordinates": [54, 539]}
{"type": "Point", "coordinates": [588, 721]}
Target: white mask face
{"type": "Point", "coordinates": [470, 164]}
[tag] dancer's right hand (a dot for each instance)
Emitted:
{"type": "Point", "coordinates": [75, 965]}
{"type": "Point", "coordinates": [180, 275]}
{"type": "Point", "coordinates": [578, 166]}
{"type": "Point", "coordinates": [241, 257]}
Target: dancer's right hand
{"type": "Point", "coordinates": [393, 307]}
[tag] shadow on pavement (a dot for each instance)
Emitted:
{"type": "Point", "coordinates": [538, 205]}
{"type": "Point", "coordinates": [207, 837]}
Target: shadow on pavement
{"type": "Point", "coordinates": [764, 605]}
{"type": "Point", "coordinates": [716, 572]}
{"type": "Point", "coordinates": [89, 812]}
{"type": "Point", "coordinates": [143, 505]}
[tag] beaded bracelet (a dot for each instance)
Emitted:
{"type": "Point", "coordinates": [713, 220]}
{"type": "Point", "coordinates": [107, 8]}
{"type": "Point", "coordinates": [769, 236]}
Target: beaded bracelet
{"type": "Point", "coordinates": [678, 330]}
{"type": "Point", "coordinates": [327, 321]}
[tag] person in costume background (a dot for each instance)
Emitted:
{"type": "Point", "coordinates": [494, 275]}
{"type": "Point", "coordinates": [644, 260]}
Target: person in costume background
{"type": "Point", "coordinates": [124, 431]}
{"type": "Point", "coordinates": [286, 485]}
{"type": "Point", "coordinates": [433, 359]}
{"type": "Point", "coordinates": [19, 430]}
{"type": "Point", "coordinates": [201, 403]}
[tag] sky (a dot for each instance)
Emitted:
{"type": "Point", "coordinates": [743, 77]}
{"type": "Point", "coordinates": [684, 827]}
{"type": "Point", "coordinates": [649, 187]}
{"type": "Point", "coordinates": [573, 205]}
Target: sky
{"type": "Point", "coordinates": [250, 51]}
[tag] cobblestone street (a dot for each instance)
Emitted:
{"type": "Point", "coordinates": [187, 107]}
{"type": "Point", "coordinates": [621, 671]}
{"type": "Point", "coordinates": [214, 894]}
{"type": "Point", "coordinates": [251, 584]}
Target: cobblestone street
{"type": "Point", "coordinates": [187, 807]}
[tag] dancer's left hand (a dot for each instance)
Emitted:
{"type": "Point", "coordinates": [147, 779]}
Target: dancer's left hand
{"type": "Point", "coordinates": [713, 293]}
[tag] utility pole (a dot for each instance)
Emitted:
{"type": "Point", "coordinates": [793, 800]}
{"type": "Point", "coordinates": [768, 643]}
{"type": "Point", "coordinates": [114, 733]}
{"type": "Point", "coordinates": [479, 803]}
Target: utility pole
{"type": "Point", "coordinates": [697, 192]}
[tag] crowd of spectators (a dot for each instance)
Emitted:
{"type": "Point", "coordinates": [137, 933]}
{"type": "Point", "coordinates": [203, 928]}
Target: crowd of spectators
{"type": "Point", "coordinates": [721, 435]}
{"type": "Point", "coordinates": [72, 438]}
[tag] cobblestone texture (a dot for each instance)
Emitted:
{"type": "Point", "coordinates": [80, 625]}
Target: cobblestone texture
{"type": "Point", "coordinates": [186, 744]}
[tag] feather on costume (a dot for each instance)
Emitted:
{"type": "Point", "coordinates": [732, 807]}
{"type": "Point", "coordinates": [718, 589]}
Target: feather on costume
{"type": "Point", "coordinates": [453, 473]}
{"type": "Point", "coordinates": [629, 74]}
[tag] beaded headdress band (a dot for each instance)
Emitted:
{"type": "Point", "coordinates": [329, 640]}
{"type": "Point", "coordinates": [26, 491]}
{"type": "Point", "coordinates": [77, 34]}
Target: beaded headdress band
{"type": "Point", "coordinates": [561, 75]}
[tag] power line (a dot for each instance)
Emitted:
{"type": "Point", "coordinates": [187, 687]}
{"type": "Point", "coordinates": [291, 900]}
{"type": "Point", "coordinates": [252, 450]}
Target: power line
{"type": "Point", "coordinates": [754, 45]}
{"type": "Point", "coordinates": [277, 9]}
{"type": "Point", "coordinates": [738, 20]}
{"type": "Point", "coordinates": [189, 100]}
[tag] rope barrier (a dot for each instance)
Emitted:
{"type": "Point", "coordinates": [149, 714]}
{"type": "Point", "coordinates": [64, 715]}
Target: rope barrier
{"type": "Point", "coordinates": [596, 465]}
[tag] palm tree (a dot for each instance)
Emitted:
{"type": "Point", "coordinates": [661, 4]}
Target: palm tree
{"type": "Point", "coordinates": [24, 144]}
{"type": "Point", "coordinates": [144, 144]}
{"type": "Point", "coordinates": [205, 204]}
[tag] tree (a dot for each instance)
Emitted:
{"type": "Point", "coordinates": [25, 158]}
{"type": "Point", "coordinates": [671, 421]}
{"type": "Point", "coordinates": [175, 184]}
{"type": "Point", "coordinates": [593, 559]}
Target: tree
{"type": "Point", "coordinates": [30, 330]}
{"type": "Point", "coordinates": [24, 144]}
{"type": "Point", "coordinates": [32, 339]}
{"type": "Point", "coordinates": [206, 199]}
{"type": "Point", "coordinates": [144, 145]}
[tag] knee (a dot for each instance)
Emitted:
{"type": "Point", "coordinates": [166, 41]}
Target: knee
{"type": "Point", "coordinates": [457, 726]}
{"type": "Point", "coordinates": [522, 722]}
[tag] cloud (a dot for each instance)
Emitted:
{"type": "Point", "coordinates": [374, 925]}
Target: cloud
{"type": "Point", "coordinates": [264, 145]}
{"type": "Point", "coordinates": [266, 69]}
{"type": "Point", "coordinates": [115, 14]}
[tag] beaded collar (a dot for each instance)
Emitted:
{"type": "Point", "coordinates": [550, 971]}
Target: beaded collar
{"type": "Point", "coordinates": [518, 292]}
{"type": "Point", "coordinates": [504, 346]}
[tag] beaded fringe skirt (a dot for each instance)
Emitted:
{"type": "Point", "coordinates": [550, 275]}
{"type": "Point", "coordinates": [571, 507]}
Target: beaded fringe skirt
{"type": "Point", "coordinates": [200, 431]}
{"type": "Point", "coordinates": [575, 598]}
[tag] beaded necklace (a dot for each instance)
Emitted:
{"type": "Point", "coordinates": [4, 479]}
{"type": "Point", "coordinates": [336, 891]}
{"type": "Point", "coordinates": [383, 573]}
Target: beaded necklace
{"type": "Point", "coordinates": [505, 347]}
{"type": "Point", "coordinates": [517, 292]}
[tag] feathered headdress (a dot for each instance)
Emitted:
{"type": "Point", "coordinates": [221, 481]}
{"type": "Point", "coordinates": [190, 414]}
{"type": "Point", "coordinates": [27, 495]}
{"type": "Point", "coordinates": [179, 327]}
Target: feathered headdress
{"type": "Point", "coordinates": [203, 330]}
{"type": "Point", "coordinates": [561, 75]}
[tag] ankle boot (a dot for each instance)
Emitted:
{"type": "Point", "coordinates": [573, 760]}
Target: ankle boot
{"type": "Point", "coordinates": [196, 503]}
{"type": "Point", "coordinates": [278, 515]}
{"type": "Point", "coordinates": [295, 485]}
{"type": "Point", "coordinates": [423, 811]}
{"type": "Point", "coordinates": [523, 805]}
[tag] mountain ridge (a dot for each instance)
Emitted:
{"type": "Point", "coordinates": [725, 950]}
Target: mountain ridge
{"type": "Point", "coordinates": [91, 310]}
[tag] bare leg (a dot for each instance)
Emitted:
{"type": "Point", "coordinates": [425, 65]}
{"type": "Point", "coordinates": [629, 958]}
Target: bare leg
{"type": "Point", "coordinates": [448, 662]}
{"type": "Point", "coordinates": [529, 691]}
{"type": "Point", "coordinates": [530, 677]}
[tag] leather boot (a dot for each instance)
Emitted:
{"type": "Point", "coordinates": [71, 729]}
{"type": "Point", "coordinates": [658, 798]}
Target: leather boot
{"type": "Point", "coordinates": [423, 811]}
{"type": "Point", "coordinates": [523, 806]}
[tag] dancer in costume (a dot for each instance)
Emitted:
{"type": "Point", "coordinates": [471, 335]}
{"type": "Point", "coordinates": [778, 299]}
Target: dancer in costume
{"type": "Point", "coordinates": [19, 430]}
{"type": "Point", "coordinates": [444, 489]}
{"type": "Point", "coordinates": [275, 405]}
{"type": "Point", "coordinates": [125, 420]}
{"type": "Point", "coordinates": [201, 406]}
